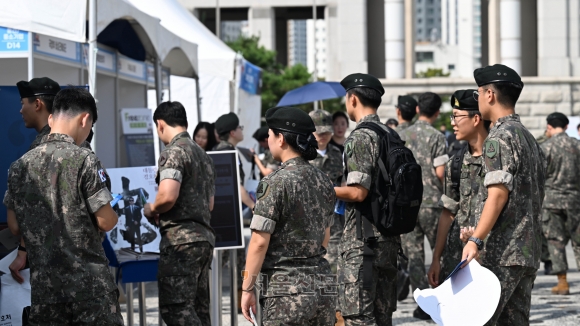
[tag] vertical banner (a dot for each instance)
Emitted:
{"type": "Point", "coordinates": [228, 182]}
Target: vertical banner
{"type": "Point", "coordinates": [138, 134]}
{"type": "Point", "coordinates": [132, 188]}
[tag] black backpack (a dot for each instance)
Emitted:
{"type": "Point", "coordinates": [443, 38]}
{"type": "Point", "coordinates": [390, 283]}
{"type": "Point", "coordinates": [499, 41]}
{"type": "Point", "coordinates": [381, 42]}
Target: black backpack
{"type": "Point", "coordinates": [393, 202]}
{"type": "Point", "coordinates": [456, 164]}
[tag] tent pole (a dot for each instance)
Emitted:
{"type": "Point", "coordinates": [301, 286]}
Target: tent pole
{"type": "Point", "coordinates": [158, 81]}
{"type": "Point", "coordinates": [92, 57]}
{"type": "Point", "coordinates": [30, 57]}
{"type": "Point", "coordinates": [198, 97]}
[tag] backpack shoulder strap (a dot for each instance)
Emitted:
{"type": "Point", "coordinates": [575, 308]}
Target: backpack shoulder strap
{"type": "Point", "coordinates": [456, 167]}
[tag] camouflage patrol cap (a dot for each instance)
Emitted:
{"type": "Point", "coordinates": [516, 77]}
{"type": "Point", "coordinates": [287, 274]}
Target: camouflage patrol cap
{"type": "Point", "coordinates": [322, 120]}
{"type": "Point", "coordinates": [37, 86]}
{"type": "Point", "coordinates": [463, 100]}
{"type": "Point", "coordinates": [557, 116]}
{"type": "Point", "coordinates": [290, 119]}
{"type": "Point", "coordinates": [496, 74]}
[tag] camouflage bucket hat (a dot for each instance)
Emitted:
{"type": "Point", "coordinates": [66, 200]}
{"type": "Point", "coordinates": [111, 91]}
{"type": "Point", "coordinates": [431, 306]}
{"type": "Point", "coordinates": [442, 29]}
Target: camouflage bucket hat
{"type": "Point", "coordinates": [322, 120]}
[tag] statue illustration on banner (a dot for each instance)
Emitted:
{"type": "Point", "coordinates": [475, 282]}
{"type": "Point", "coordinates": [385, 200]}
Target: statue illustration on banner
{"type": "Point", "coordinates": [131, 188]}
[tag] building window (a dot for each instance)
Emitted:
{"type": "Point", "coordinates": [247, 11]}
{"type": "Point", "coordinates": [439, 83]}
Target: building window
{"type": "Point", "coordinates": [430, 21]}
{"type": "Point", "coordinates": [426, 56]}
{"type": "Point", "coordinates": [451, 67]}
{"type": "Point", "coordinates": [419, 10]}
{"type": "Point", "coordinates": [419, 20]}
{"type": "Point", "coordinates": [419, 31]}
{"type": "Point", "coordinates": [430, 11]}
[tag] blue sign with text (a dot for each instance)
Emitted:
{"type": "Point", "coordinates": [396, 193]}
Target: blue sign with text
{"type": "Point", "coordinates": [251, 78]}
{"type": "Point", "coordinates": [13, 40]}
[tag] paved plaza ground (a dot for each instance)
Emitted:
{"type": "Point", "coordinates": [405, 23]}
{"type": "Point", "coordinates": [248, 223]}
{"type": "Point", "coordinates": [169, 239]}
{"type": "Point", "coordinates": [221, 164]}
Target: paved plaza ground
{"type": "Point", "coordinates": [547, 309]}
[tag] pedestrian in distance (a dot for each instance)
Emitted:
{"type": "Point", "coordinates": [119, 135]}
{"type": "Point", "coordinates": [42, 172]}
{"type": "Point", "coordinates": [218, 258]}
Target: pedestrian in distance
{"type": "Point", "coordinates": [291, 230]}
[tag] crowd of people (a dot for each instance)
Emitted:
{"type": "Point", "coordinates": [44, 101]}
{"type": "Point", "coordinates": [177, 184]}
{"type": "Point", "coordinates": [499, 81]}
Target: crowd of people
{"type": "Point", "coordinates": [318, 254]}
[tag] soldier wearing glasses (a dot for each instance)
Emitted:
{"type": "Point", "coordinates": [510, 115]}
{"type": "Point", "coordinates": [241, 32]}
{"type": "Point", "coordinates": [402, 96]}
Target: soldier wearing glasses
{"type": "Point", "coordinates": [511, 196]}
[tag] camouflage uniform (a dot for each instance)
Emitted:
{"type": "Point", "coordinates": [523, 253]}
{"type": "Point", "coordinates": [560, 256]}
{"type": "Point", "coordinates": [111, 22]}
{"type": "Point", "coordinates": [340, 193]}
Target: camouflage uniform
{"type": "Point", "coordinates": [269, 161]}
{"type": "Point", "coordinates": [463, 205]}
{"type": "Point", "coordinates": [402, 126]}
{"type": "Point", "coordinates": [43, 132]}
{"type": "Point", "coordinates": [331, 164]}
{"type": "Point", "coordinates": [295, 205]}
{"type": "Point", "coordinates": [513, 158]}
{"type": "Point", "coordinates": [187, 239]}
{"type": "Point", "coordinates": [561, 209]}
{"type": "Point", "coordinates": [360, 306]}
{"type": "Point", "coordinates": [54, 189]}
{"type": "Point", "coordinates": [429, 148]}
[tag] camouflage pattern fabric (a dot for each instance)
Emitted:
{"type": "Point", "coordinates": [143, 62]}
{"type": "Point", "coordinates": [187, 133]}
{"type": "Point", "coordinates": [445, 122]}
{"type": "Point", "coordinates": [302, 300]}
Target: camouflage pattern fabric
{"type": "Point", "coordinates": [183, 281]}
{"type": "Point", "coordinates": [402, 126]}
{"type": "Point", "coordinates": [361, 153]}
{"type": "Point", "coordinates": [225, 146]}
{"type": "Point", "coordinates": [561, 226]}
{"type": "Point", "coordinates": [331, 164]}
{"type": "Point", "coordinates": [516, 294]}
{"type": "Point", "coordinates": [561, 207]}
{"type": "Point", "coordinates": [363, 307]}
{"type": "Point", "coordinates": [299, 309]}
{"type": "Point", "coordinates": [414, 245]}
{"type": "Point", "coordinates": [43, 132]}
{"type": "Point", "coordinates": [463, 204]}
{"type": "Point", "coordinates": [430, 151]}
{"type": "Point", "coordinates": [189, 219]}
{"type": "Point", "coordinates": [54, 189]}
{"type": "Point", "coordinates": [269, 161]}
{"type": "Point", "coordinates": [295, 205]}
{"type": "Point", "coordinates": [99, 311]}
{"type": "Point", "coordinates": [513, 158]}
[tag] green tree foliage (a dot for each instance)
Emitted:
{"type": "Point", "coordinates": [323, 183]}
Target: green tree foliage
{"type": "Point", "coordinates": [276, 79]}
{"type": "Point", "coordinates": [432, 73]}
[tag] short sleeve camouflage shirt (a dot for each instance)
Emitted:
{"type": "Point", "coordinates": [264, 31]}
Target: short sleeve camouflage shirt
{"type": "Point", "coordinates": [513, 158]}
{"type": "Point", "coordinates": [563, 172]}
{"type": "Point", "coordinates": [430, 150]}
{"type": "Point", "coordinates": [189, 218]}
{"type": "Point", "coordinates": [295, 205]}
{"type": "Point", "coordinates": [43, 132]}
{"type": "Point", "coordinates": [54, 189]}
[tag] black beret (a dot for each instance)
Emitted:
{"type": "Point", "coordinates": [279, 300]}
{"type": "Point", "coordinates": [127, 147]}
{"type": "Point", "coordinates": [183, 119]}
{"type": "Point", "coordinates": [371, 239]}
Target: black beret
{"type": "Point", "coordinates": [392, 121]}
{"type": "Point", "coordinates": [495, 74]}
{"type": "Point", "coordinates": [291, 120]}
{"type": "Point", "coordinates": [463, 100]}
{"type": "Point", "coordinates": [227, 123]}
{"type": "Point", "coordinates": [406, 102]}
{"type": "Point", "coordinates": [261, 134]}
{"type": "Point", "coordinates": [362, 80]}
{"type": "Point", "coordinates": [37, 86]}
{"type": "Point", "coordinates": [557, 116]}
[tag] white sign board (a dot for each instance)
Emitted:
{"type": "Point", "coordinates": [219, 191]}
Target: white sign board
{"type": "Point", "coordinates": [136, 186]}
{"type": "Point", "coordinates": [572, 130]}
{"type": "Point", "coordinates": [57, 47]}
{"type": "Point", "coordinates": [131, 68]}
{"type": "Point", "coordinates": [137, 121]}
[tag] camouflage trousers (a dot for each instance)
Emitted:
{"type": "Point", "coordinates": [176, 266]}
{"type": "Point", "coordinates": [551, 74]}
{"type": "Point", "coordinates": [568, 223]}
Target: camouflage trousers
{"type": "Point", "coordinates": [183, 281]}
{"type": "Point", "coordinates": [516, 295]}
{"type": "Point", "coordinates": [414, 245]}
{"type": "Point", "coordinates": [298, 309]}
{"type": "Point", "coordinates": [104, 310]}
{"type": "Point", "coordinates": [374, 306]}
{"type": "Point", "coordinates": [452, 252]}
{"type": "Point", "coordinates": [559, 227]}
{"type": "Point", "coordinates": [333, 245]}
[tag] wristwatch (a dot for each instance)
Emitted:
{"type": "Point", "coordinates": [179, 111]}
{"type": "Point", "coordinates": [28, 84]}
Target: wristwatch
{"type": "Point", "coordinates": [477, 241]}
{"type": "Point", "coordinates": [21, 248]}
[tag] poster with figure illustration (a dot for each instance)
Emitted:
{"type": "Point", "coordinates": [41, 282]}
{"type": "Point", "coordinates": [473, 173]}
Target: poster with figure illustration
{"type": "Point", "coordinates": [131, 189]}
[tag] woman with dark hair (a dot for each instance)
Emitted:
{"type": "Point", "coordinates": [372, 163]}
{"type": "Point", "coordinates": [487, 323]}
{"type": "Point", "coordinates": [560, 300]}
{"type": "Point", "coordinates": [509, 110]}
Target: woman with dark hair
{"type": "Point", "coordinates": [204, 135]}
{"type": "Point", "coordinates": [340, 125]}
{"type": "Point", "coordinates": [291, 229]}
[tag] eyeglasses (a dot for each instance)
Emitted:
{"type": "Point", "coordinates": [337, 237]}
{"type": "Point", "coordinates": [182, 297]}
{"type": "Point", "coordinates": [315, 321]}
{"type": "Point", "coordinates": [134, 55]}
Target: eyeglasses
{"type": "Point", "coordinates": [453, 118]}
{"type": "Point", "coordinates": [476, 94]}
{"type": "Point", "coordinates": [241, 127]}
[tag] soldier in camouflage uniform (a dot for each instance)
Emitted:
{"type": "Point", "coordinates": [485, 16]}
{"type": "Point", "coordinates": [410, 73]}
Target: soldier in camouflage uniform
{"type": "Point", "coordinates": [512, 196]}
{"type": "Point", "coordinates": [186, 178]}
{"type": "Point", "coordinates": [267, 164]}
{"type": "Point", "coordinates": [459, 202]}
{"type": "Point", "coordinates": [561, 208]}
{"type": "Point", "coordinates": [429, 147]}
{"type": "Point", "coordinates": [58, 200]}
{"type": "Point", "coordinates": [329, 160]}
{"type": "Point", "coordinates": [364, 304]}
{"type": "Point", "coordinates": [290, 230]}
{"type": "Point", "coordinates": [406, 111]}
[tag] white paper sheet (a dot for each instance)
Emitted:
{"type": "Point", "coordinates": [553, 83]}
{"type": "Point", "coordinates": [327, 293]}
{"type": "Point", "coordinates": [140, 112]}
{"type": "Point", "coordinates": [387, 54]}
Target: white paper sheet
{"type": "Point", "coordinates": [469, 297]}
{"type": "Point", "coordinates": [13, 296]}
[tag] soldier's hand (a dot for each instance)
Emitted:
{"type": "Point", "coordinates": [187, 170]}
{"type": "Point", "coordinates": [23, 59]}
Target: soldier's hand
{"type": "Point", "coordinates": [248, 302]}
{"type": "Point", "coordinates": [433, 273]}
{"type": "Point", "coordinates": [17, 265]}
{"type": "Point", "coordinates": [153, 218]}
{"type": "Point", "coordinates": [466, 233]}
{"type": "Point", "coordinates": [470, 251]}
